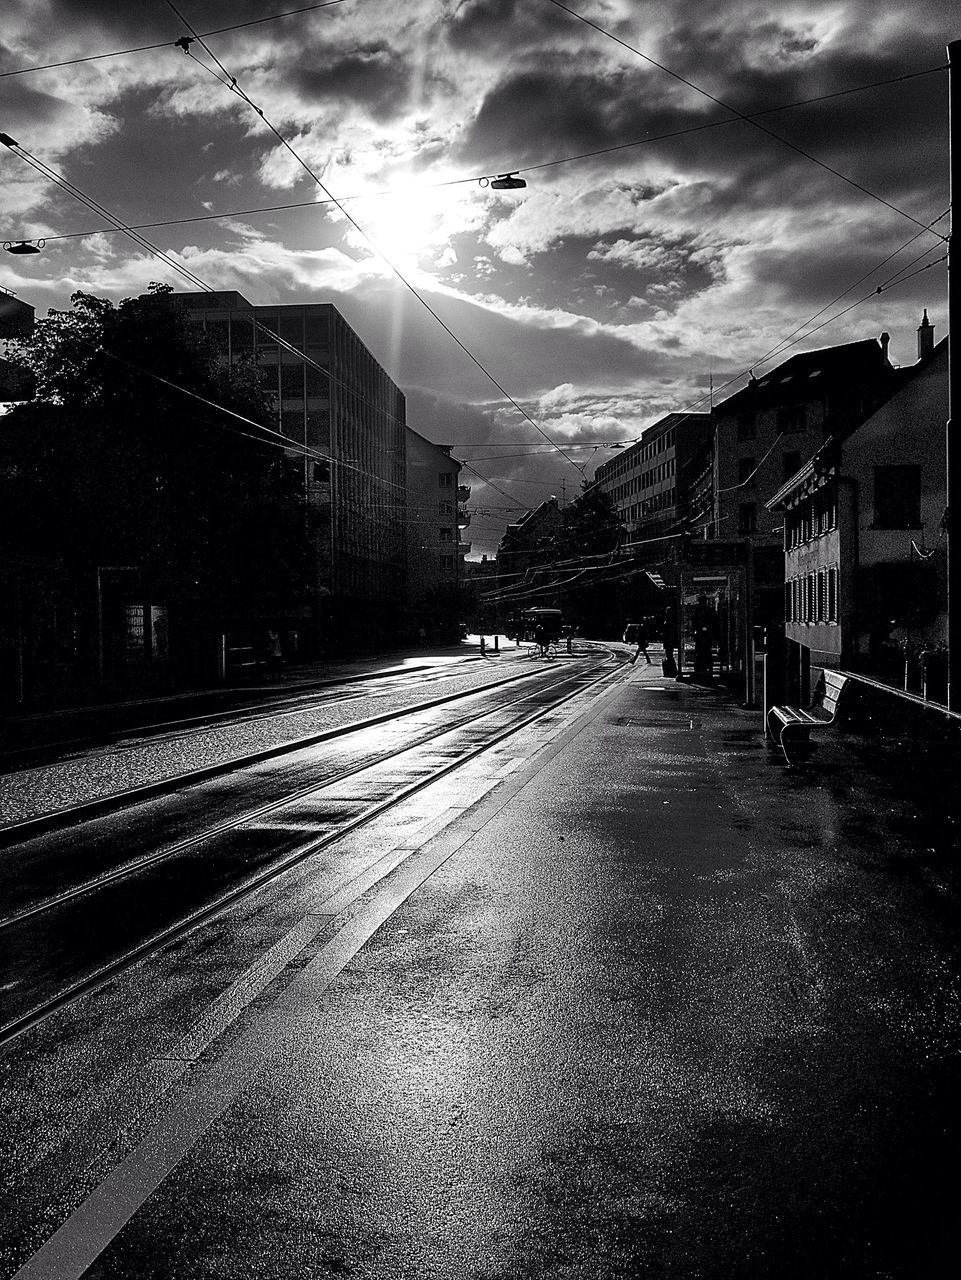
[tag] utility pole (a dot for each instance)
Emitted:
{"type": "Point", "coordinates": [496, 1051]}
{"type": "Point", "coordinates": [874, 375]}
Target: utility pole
{"type": "Point", "coordinates": [952, 441]}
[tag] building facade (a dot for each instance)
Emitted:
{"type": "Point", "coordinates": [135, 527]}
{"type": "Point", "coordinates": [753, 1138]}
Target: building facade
{"type": "Point", "coordinates": [650, 482]}
{"type": "Point", "coordinates": [347, 419]}
{"type": "Point", "coordinates": [525, 543]}
{"type": "Point", "coordinates": [434, 520]}
{"type": "Point", "coordinates": [864, 536]}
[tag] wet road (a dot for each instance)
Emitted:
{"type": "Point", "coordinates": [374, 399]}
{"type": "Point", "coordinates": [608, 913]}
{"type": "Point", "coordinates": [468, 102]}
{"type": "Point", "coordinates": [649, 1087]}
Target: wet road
{"type": "Point", "coordinates": [627, 999]}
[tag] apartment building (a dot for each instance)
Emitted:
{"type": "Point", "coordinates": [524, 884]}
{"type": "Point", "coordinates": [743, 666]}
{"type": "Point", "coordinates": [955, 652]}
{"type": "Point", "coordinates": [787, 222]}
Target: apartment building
{"type": "Point", "coordinates": [650, 482]}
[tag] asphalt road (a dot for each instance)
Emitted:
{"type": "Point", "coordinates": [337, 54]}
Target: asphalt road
{"type": "Point", "coordinates": [629, 998]}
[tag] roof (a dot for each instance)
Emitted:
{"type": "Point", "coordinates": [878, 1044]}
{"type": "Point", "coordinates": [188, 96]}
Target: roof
{"type": "Point", "coordinates": [831, 444]}
{"type": "Point", "coordinates": [809, 375]}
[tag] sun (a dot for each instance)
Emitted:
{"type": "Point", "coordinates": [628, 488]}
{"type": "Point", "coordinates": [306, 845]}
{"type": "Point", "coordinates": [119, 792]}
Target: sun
{"type": "Point", "coordinates": [411, 231]}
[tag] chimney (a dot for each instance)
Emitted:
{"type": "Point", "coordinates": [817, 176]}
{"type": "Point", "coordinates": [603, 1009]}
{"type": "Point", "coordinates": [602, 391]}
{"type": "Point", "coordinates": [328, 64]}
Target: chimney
{"type": "Point", "coordinates": [925, 337]}
{"type": "Point", "coordinates": [884, 340]}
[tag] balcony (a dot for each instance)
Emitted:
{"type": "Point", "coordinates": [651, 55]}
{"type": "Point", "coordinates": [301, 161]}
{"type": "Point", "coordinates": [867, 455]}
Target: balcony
{"type": "Point", "coordinates": [463, 519]}
{"type": "Point", "coordinates": [463, 548]}
{"type": "Point", "coordinates": [463, 492]}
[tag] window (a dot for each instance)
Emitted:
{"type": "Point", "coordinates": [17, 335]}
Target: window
{"type": "Point", "coordinates": [832, 613]}
{"type": "Point", "coordinates": [746, 426]}
{"type": "Point", "coordinates": [897, 497]}
{"type": "Point", "coordinates": [446, 479]}
{"type": "Point", "coordinates": [292, 381]}
{"type": "Point", "coordinates": [745, 470]}
{"type": "Point", "coordinates": [794, 418]}
{"type": "Point", "coordinates": [446, 535]}
{"type": "Point", "coordinates": [447, 562]}
{"type": "Point", "coordinates": [445, 508]}
{"type": "Point", "coordinates": [747, 517]}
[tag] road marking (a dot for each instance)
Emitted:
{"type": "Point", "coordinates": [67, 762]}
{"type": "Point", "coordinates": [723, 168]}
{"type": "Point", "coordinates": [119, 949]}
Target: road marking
{"type": "Point", "coordinates": [92, 1226]}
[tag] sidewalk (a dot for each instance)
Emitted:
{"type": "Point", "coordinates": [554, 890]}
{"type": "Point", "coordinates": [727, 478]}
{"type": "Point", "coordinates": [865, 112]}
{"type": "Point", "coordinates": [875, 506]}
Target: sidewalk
{"type": "Point", "coordinates": [656, 1005]}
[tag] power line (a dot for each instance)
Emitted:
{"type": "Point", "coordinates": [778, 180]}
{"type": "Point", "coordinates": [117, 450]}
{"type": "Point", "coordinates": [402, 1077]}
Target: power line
{"type": "Point", "coordinates": [453, 182]}
{"type": "Point", "coordinates": [166, 44]}
{"type": "Point", "coordinates": [196, 280]}
{"type": "Point", "coordinates": [235, 87]}
{"type": "Point", "coordinates": [740, 115]}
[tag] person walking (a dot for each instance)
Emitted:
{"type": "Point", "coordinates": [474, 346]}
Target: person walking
{"type": "Point", "coordinates": [642, 641]}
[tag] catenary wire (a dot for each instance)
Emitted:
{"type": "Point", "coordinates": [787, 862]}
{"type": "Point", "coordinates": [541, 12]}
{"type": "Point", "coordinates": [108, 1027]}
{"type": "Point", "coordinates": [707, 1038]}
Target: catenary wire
{"type": "Point", "coordinates": [452, 182]}
{"type": "Point", "coordinates": [400, 276]}
{"type": "Point", "coordinates": [142, 242]}
{"type": "Point", "coordinates": [145, 48]}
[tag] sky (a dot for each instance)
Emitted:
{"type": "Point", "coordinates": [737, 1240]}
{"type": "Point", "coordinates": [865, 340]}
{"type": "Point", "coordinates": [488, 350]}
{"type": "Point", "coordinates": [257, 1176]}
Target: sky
{"type": "Point", "coordinates": [662, 245]}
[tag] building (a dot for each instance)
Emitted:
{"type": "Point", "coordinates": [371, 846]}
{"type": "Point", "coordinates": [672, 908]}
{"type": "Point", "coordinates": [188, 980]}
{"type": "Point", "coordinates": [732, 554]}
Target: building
{"type": "Point", "coordinates": [864, 548]}
{"type": "Point", "coordinates": [347, 419]}
{"type": "Point", "coordinates": [434, 519]}
{"type": "Point", "coordinates": [16, 317]}
{"type": "Point", "coordinates": [762, 435]}
{"type": "Point", "coordinates": [649, 483]}
{"type": "Point", "coordinates": [525, 544]}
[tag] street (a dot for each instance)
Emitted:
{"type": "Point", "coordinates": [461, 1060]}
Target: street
{"type": "Point", "coordinates": [616, 995]}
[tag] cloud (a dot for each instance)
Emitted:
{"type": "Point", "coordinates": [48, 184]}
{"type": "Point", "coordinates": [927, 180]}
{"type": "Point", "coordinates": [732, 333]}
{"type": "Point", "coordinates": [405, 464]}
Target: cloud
{"type": "Point", "coordinates": [603, 294]}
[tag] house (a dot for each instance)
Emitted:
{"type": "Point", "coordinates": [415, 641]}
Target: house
{"type": "Point", "coordinates": [864, 534]}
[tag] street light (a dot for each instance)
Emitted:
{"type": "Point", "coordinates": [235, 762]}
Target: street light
{"type": "Point", "coordinates": [23, 246]}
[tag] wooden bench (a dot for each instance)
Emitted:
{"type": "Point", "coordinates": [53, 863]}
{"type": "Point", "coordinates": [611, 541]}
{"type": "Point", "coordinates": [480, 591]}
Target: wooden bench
{"type": "Point", "coordinates": [792, 724]}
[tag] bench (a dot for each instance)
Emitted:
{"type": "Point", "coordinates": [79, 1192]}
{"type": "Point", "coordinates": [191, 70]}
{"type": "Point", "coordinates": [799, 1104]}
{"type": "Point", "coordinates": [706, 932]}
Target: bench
{"type": "Point", "coordinates": [792, 724]}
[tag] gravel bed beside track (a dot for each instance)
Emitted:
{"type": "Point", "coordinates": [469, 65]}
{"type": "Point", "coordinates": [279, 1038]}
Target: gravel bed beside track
{"type": "Point", "coordinates": [31, 793]}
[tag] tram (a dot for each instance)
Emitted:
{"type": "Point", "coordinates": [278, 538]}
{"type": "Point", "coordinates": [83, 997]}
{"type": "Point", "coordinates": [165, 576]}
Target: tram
{"type": "Point", "coordinates": [523, 624]}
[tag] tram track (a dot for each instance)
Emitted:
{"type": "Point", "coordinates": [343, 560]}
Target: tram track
{"type": "Point", "coordinates": [299, 700]}
{"type": "Point", "coordinates": [376, 801]}
{"type": "Point", "coordinates": [28, 828]}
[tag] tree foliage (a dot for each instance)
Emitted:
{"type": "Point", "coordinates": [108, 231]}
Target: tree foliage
{"type": "Point", "coordinates": [112, 464]}
{"type": "Point", "coordinates": [592, 530]}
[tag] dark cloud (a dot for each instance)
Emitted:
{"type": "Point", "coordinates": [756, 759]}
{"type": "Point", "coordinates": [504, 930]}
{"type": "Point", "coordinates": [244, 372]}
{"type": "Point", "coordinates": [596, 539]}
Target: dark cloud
{"type": "Point", "coordinates": [371, 75]}
{"type": "Point", "coordinates": [23, 107]}
{"type": "Point", "coordinates": [526, 358]}
{"type": "Point", "coordinates": [505, 26]}
{"type": "Point", "coordinates": [617, 277]}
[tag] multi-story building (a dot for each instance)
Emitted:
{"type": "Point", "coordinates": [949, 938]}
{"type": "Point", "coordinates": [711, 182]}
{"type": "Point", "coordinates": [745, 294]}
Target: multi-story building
{"type": "Point", "coordinates": [434, 519]}
{"type": "Point", "coordinates": [650, 482]}
{"type": "Point", "coordinates": [864, 521]}
{"type": "Point", "coordinates": [763, 433]}
{"type": "Point", "coordinates": [347, 419]}
{"type": "Point", "coordinates": [525, 544]}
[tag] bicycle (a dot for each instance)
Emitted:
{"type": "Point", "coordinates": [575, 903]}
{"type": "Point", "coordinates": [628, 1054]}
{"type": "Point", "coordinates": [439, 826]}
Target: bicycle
{"type": "Point", "coordinates": [546, 651]}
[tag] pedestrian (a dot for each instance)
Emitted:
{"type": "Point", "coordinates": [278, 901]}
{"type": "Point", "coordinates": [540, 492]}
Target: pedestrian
{"type": "Point", "coordinates": [275, 654]}
{"type": "Point", "coordinates": [642, 641]}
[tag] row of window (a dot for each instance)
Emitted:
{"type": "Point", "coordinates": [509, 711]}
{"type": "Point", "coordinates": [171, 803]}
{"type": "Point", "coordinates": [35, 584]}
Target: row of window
{"type": "Point", "coordinates": [812, 597]}
{"type": "Point", "coordinates": [636, 455]}
{"type": "Point", "coordinates": [814, 515]}
{"type": "Point", "coordinates": [644, 480]}
{"type": "Point", "coordinates": [657, 502]}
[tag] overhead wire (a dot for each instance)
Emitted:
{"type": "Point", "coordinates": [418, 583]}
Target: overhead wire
{"type": "Point", "coordinates": [739, 114]}
{"type": "Point", "coordinates": [46, 171]}
{"type": "Point", "coordinates": [231, 83]}
{"type": "Point", "coordinates": [164, 44]}
{"type": "Point", "coordinates": [452, 182]}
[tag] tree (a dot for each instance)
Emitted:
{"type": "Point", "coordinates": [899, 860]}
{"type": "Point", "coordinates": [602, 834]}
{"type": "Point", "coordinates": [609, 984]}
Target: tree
{"type": "Point", "coordinates": [590, 534]}
{"type": "Point", "coordinates": [113, 464]}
